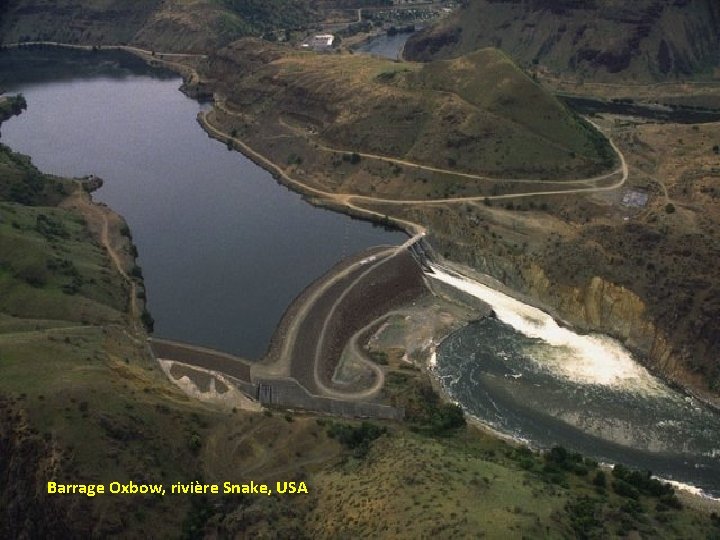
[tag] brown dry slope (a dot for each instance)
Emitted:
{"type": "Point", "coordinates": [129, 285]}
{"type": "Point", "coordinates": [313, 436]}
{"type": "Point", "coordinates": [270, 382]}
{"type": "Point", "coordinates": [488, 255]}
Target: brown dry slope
{"type": "Point", "coordinates": [478, 115]}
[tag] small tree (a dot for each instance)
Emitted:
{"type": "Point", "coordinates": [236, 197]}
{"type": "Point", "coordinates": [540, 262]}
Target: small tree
{"type": "Point", "coordinates": [147, 321]}
{"type": "Point", "coordinates": [670, 208]}
{"type": "Point", "coordinates": [600, 479]}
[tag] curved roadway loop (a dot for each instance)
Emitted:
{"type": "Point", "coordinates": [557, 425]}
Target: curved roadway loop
{"type": "Point", "coordinates": [349, 200]}
{"type": "Point", "coordinates": [380, 375]}
{"type": "Point", "coordinates": [284, 361]}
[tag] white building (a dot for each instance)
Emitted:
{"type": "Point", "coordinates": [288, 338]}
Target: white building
{"type": "Point", "coordinates": [322, 41]}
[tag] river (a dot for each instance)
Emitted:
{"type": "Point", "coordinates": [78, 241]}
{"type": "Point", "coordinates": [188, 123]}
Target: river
{"type": "Point", "coordinates": [529, 377]}
{"type": "Point", "coordinates": [224, 248]}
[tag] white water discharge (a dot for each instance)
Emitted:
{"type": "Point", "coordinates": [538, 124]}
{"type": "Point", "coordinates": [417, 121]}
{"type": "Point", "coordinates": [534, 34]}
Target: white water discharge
{"type": "Point", "coordinates": [583, 359]}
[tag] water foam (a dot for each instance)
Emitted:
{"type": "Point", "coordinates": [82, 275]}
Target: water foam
{"type": "Point", "coordinates": [583, 359]}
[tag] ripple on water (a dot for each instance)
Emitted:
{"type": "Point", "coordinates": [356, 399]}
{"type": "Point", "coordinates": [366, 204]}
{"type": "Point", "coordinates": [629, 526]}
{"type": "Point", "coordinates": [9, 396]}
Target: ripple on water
{"type": "Point", "coordinates": [525, 375]}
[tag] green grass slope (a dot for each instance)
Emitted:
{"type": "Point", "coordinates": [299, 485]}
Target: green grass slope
{"type": "Point", "coordinates": [50, 265]}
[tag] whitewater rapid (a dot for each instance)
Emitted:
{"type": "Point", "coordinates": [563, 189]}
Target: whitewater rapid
{"type": "Point", "coordinates": [551, 385]}
{"type": "Point", "coordinates": [584, 359]}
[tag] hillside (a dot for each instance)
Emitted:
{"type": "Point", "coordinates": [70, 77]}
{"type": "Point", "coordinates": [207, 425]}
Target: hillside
{"type": "Point", "coordinates": [174, 25]}
{"type": "Point", "coordinates": [598, 40]}
{"type": "Point", "coordinates": [194, 26]}
{"type": "Point", "coordinates": [478, 114]}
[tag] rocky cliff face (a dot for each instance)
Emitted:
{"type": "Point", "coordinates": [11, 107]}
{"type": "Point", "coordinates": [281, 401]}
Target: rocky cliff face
{"type": "Point", "coordinates": [598, 306]}
{"type": "Point", "coordinates": [597, 39]}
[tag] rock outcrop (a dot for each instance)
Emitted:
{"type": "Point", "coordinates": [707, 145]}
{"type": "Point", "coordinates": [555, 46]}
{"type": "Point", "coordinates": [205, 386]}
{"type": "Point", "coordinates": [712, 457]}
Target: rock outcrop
{"type": "Point", "coordinates": [599, 306]}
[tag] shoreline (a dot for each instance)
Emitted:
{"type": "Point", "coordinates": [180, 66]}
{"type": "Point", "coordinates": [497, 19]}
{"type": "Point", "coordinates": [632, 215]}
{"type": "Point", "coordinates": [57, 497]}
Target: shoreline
{"type": "Point", "coordinates": [105, 226]}
{"type": "Point", "coordinates": [638, 356]}
{"type": "Point", "coordinates": [349, 209]}
{"type": "Point", "coordinates": [689, 493]}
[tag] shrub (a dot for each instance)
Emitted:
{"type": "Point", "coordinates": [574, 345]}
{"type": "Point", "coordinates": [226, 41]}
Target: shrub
{"type": "Point", "coordinates": [353, 158]}
{"type": "Point", "coordinates": [582, 513]}
{"type": "Point", "coordinates": [600, 479]}
{"type": "Point", "coordinates": [622, 488]}
{"type": "Point", "coordinates": [50, 228]}
{"type": "Point", "coordinates": [147, 320]}
{"type": "Point", "coordinates": [447, 417]}
{"type": "Point", "coordinates": [356, 438]}
{"type": "Point", "coordinates": [195, 443]}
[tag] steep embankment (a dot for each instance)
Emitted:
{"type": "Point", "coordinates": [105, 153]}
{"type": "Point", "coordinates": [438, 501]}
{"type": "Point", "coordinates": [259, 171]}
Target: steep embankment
{"type": "Point", "coordinates": [602, 39]}
{"type": "Point", "coordinates": [80, 398]}
{"type": "Point", "coordinates": [75, 21]}
{"type": "Point", "coordinates": [478, 114]}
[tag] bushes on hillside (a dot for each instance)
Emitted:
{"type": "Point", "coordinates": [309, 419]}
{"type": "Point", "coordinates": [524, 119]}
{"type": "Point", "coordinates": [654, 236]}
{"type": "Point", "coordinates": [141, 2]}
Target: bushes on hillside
{"type": "Point", "coordinates": [50, 228]}
{"type": "Point", "coordinates": [356, 438]}
{"type": "Point", "coordinates": [632, 484]}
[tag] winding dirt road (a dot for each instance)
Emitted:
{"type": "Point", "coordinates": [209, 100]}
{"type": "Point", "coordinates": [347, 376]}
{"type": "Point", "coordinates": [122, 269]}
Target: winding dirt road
{"type": "Point", "coordinates": [347, 199]}
{"type": "Point", "coordinates": [84, 204]}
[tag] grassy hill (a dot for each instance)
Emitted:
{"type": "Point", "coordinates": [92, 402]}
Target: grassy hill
{"type": "Point", "coordinates": [175, 25]}
{"type": "Point", "coordinates": [167, 25]}
{"type": "Point", "coordinates": [603, 39]}
{"type": "Point", "coordinates": [478, 114]}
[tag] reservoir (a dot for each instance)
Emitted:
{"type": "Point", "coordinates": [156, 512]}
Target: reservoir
{"type": "Point", "coordinates": [224, 248]}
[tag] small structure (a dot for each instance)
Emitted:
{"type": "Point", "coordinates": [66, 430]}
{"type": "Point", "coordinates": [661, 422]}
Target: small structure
{"type": "Point", "coordinates": [635, 199]}
{"type": "Point", "coordinates": [322, 42]}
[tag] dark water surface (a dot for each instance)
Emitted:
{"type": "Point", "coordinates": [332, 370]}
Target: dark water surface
{"type": "Point", "coordinates": [678, 114]}
{"type": "Point", "coordinates": [385, 45]}
{"type": "Point", "coordinates": [223, 247]}
{"type": "Point", "coordinates": [533, 391]}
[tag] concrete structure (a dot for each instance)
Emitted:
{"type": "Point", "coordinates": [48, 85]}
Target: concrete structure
{"type": "Point", "coordinates": [281, 392]}
{"type": "Point", "coordinates": [322, 42]}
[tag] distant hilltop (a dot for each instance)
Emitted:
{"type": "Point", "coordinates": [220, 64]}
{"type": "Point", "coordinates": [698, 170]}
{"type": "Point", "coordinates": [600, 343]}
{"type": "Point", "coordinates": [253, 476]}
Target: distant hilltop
{"type": "Point", "coordinates": [641, 40]}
